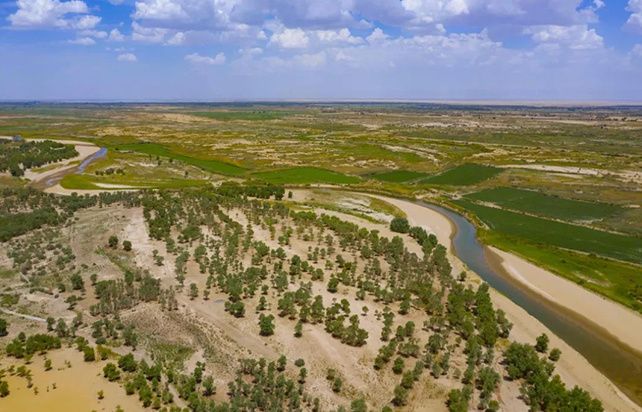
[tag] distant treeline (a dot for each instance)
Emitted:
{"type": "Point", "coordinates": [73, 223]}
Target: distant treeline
{"type": "Point", "coordinates": [16, 157]}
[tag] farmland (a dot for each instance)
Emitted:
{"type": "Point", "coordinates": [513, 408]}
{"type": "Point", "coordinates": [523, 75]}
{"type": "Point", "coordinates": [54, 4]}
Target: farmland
{"type": "Point", "coordinates": [463, 175]}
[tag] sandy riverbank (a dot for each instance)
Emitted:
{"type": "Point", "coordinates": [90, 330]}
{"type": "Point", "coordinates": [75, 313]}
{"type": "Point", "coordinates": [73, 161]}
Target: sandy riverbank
{"type": "Point", "coordinates": [84, 150]}
{"type": "Point", "coordinates": [621, 322]}
{"type": "Point", "coordinates": [573, 367]}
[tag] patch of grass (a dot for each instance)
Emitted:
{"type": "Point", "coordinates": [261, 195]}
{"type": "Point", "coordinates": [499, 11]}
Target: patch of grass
{"type": "Point", "coordinates": [305, 175]}
{"type": "Point", "coordinates": [540, 204]}
{"type": "Point", "coordinates": [209, 165]}
{"type": "Point", "coordinates": [89, 182]}
{"type": "Point", "coordinates": [618, 281]}
{"type": "Point", "coordinates": [464, 175]}
{"type": "Point", "coordinates": [6, 273]}
{"type": "Point", "coordinates": [398, 176]}
{"type": "Point", "coordinates": [170, 355]}
{"type": "Point", "coordinates": [379, 205]}
{"type": "Point", "coordinates": [253, 115]}
{"type": "Point", "coordinates": [552, 233]}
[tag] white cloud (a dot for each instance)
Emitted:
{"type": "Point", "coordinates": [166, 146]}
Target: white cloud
{"type": "Point", "coordinates": [116, 35]}
{"type": "Point", "coordinates": [290, 39]}
{"type": "Point", "coordinates": [337, 36]}
{"type": "Point", "coordinates": [578, 37]}
{"type": "Point", "coordinates": [196, 58]}
{"type": "Point", "coordinates": [377, 35]}
{"type": "Point", "coordinates": [83, 41]}
{"type": "Point", "coordinates": [311, 59]}
{"type": "Point", "coordinates": [634, 21]}
{"type": "Point", "coordinates": [85, 22]}
{"type": "Point", "coordinates": [148, 34]}
{"type": "Point", "coordinates": [48, 13]}
{"type": "Point", "coordinates": [177, 39]}
{"type": "Point", "coordinates": [127, 57]}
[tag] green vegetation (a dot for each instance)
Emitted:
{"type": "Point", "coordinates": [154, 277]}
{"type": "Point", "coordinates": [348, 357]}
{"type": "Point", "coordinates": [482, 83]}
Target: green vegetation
{"type": "Point", "coordinates": [251, 115]}
{"type": "Point", "coordinates": [540, 204]}
{"type": "Point", "coordinates": [617, 280]}
{"type": "Point", "coordinates": [464, 175]}
{"type": "Point", "coordinates": [16, 157]}
{"type": "Point", "coordinates": [210, 165]}
{"type": "Point", "coordinates": [305, 175]}
{"type": "Point", "coordinates": [549, 232]}
{"type": "Point", "coordinates": [398, 176]}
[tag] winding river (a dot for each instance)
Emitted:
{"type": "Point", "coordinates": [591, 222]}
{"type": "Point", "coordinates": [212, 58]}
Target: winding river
{"type": "Point", "coordinates": [619, 363]}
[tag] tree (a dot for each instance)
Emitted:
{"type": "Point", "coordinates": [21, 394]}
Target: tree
{"type": "Point", "coordinates": [358, 405]}
{"type": "Point", "coordinates": [89, 354]}
{"type": "Point", "coordinates": [555, 355]}
{"type": "Point", "coordinates": [541, 343]}
{"type": "Point", "coordinates": [110, 371]}
{"type": "Point", "coordinates": [4, 389]}
{"type": "Point", "coordinates": [113, 241]}
{"type": "Point", "coordinates": [3, 327]}
{"type": "Point", "coordinates": [298, 329]}
{"type": "Point", "coordinates": [127, 245]}
{"type": "Point", "coordinates": [400, 225]}
{"type": "Point", "coordinates": [127, 363]}
{"type": "Point", "coordinates": [266, 324]}
{"type": "Point", "coordinates": [77, 283]}
{"type": "Point", "coordinates": [193, 291]}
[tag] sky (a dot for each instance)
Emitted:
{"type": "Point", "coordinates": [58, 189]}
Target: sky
{"type": "Point", "coordinates": [212, 50]}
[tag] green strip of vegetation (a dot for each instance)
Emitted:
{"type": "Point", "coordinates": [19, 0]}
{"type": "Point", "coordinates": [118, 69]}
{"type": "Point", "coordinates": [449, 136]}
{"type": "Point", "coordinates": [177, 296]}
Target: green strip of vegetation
{"type": "Point", "coordinates": [564, 235]}
{"type": "Point", "coordinates": [209, 165]}
{"type": "Point", "coordinates": [616, 280]}
{"type": "Point", "coordinates": [464, 175]}
{"type": "Point", "coordinates": [254, 115]}
{"type": "Point", "coordinates": [305, 175]}
{"type": "Point", "coordinates": [541, 204]}
{"type": "Point", "coordinates": [88, 182]}
{"type": "Point", "coordinates": [399, 176]}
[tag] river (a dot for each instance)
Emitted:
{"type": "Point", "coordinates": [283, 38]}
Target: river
{"type": "Point", "coordinates": [619, 363]}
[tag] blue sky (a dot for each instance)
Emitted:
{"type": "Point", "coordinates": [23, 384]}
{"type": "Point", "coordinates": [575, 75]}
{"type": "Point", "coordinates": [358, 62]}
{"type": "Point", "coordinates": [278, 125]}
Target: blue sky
{"type": "Point", "coordinates": [321, 49]}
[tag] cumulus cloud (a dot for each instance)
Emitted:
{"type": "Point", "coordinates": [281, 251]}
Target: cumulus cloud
{"type": "Point", "coordinates": [634, 21]}
{"type": "Point", "coordinates": [127, 57]}
{"type": "Point", "coordinates": [196, 58]}
{"type": "Point", "coordinates": [337, 36]}
{"type": "Point", "coordinates": [52, 13]}
{"type": "Point", "coordinates": [578, 37]}
{"type": "Point", "coordinates": [290, 39]}
{"type": "Point", "coordinates": [116, 35]}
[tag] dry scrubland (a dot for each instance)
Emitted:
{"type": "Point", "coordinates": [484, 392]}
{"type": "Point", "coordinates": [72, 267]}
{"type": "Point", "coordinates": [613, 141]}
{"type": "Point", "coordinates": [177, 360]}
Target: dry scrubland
{"type": "Point", "coordinates": [376, 322]}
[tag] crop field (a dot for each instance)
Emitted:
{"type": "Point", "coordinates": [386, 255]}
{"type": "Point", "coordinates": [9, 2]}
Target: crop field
{"type": "Point", "coordinates": [304, 175]}
{"type": "Point", "coordinates": [464, 175]}
{"type": "Point", "coordinates": [544, 205]}
{"type": "Point", "coordinates": [563, 235]}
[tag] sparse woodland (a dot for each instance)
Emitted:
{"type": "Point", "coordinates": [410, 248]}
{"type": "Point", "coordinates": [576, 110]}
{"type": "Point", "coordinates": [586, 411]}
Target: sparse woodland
{"type": "Point", "coordinates": [294, 273]}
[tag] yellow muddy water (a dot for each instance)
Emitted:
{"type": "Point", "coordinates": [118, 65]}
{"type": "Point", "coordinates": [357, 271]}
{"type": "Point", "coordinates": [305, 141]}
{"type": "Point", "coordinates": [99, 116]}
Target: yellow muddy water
{"type": "Point", "coordinates": [76, 387]}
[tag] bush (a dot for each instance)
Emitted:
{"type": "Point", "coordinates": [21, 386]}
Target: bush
{"type": "Point", "coordinates": [400, 225]}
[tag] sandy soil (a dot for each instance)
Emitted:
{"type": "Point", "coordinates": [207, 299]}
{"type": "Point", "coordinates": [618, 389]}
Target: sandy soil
{"type": "Point", "coordinates": [628, 175]}
{"type": "Point", "coordinates": [621, 322]}
{"type": "Point", "coordinates": [573, 367]}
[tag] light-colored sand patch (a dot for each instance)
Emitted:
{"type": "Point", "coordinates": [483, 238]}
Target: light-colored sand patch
{"type": "Point", "coordinates": [116, 186]}
{"type": "Point", "coordinates": [628, 175]}
{"type": "Point", "coordinates": [621, 322]}
{"type": "Point", "coordinates": [84, 150]}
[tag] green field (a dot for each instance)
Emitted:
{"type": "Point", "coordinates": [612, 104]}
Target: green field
{"type": "Point", "coordinates": [549, 232]}
{"type": "Point", "coordinates": [305, 175]}
{"type": "Point", "coordinates": [398, 176]}
{"type": "Point", "coordinates": [209, 165]}
{"type": "Point", "coordinates": [617, 280]}
{"type": "Point", "coordinates": [463, 175]}
{"type": "Point", "coordinates": [540, 204]}
{"type": "Point", "coordinates": [243, 115]}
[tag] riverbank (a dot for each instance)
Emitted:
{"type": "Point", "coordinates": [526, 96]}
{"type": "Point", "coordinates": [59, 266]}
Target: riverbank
{"type": "Point", "coordinates": [84, 149]}
{"type": "Point", "coordinates": [573, 367]}
{"type": "Point", "coordinates": [621, 322]}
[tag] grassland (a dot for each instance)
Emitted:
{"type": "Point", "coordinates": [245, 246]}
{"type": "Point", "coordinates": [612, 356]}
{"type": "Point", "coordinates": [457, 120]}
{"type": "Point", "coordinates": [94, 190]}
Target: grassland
{"type": "Point", "coordinates": [463, 175]}
{"type": "Point", "coordinates": [250, 115]}
{"type": "Point", "coordinates": [544, 205]}
{"type": "Point", "coordinates": [210, 165]}
{"type": "Point", "coordinates": [563, 235]}
{"type": "Point", "coordinates": [304, 175]}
